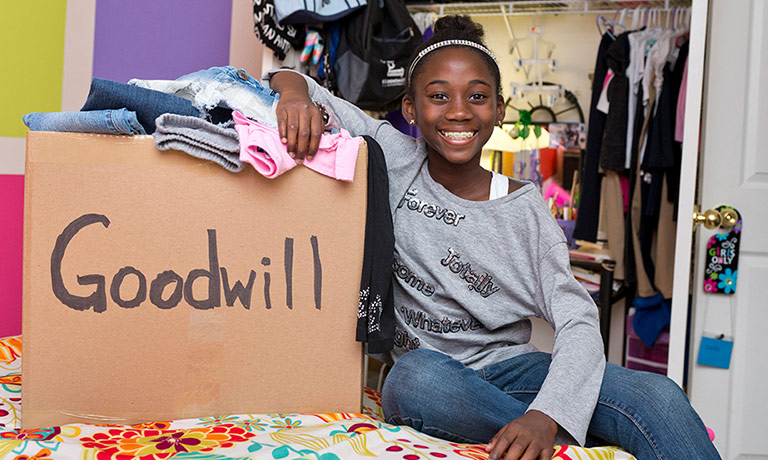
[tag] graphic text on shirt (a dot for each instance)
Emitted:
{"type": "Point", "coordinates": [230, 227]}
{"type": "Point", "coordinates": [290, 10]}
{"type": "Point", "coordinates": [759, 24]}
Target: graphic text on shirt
{"type": "Point", "coordinates": [370, 309]}
{"type": "Point", "coordinates": [420, 320]}
{"type": "Point", "coordinates": [480, 282]}
{"type": "Point", "coordinates": [403, 340]}
{"type": "Point", "coordinates": [448, 216]}
{"type": "Point", "coordinates": [407, 275]}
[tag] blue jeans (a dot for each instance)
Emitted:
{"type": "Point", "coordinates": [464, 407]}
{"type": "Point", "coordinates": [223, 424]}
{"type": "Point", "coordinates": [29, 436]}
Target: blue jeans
{"type": "Point", "coordinates": [645, 414]}
{"type": "Point", "coordinates": [221, 87]}
{"type": "Point", "coordinates": [148, 104]}
{"type": "Point", "coordinates": [120, 121]}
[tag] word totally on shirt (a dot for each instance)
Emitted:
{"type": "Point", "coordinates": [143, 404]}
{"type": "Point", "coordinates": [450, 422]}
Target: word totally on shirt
{"type": "Point", "coordinates": [476, 281]}
{"type": "Point", "coordinates": [216, 276]}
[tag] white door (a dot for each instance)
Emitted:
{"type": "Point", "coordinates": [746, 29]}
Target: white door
{"type": "Point", "coordinates": [733, 170]}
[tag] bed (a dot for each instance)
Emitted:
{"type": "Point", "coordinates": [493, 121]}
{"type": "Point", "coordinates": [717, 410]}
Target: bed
{"type": "Point", "coordinates": [232, 436]}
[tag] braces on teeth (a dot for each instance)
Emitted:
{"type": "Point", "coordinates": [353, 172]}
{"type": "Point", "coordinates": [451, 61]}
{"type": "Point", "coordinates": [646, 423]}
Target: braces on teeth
{"type": "Point", "coordinates": [459, 135]}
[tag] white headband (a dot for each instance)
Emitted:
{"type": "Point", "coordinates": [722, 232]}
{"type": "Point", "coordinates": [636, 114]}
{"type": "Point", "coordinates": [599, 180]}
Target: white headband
{"type": "Point", "coordinates": [443, 43]}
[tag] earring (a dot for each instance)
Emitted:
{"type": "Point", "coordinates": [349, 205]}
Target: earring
{"type": "Point", "coordinates": [411, 122]}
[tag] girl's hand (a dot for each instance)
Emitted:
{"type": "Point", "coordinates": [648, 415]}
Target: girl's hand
{"type": "Point", "coordinates": [299, 121]}
{"type": "Point", "coordinates": [530, 437]}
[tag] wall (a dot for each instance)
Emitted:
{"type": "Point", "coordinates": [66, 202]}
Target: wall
{"type": "Point", "coordinates": [576, 39]}
{"type": "Point", "coordinates": [76, 40]}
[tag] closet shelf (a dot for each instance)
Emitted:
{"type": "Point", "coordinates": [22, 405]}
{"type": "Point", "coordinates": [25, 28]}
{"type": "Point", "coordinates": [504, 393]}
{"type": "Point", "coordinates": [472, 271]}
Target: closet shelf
{"type": "Point", "coordinates": [529, 7]}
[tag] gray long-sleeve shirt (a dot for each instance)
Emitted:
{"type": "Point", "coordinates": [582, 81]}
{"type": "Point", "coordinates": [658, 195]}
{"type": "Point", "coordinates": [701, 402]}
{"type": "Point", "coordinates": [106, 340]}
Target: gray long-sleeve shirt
{"type": "Point", "coordinates": [469, 274]}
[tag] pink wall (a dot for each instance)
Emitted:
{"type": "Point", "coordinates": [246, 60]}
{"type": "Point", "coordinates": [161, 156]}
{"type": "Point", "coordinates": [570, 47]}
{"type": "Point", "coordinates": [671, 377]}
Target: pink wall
{"type": "Point", "coordinates": [12, 210]}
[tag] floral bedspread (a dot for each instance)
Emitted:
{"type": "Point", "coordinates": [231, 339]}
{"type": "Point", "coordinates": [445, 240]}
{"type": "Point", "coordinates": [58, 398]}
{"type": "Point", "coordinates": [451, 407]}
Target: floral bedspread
{"type": "Point", "coordinates": [241, 436]}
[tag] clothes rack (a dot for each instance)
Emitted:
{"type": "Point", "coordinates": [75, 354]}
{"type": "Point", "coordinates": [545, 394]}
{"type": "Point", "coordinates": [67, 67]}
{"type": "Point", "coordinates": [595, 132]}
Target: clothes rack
{"type": "Point", "coordinates": [535, 7]}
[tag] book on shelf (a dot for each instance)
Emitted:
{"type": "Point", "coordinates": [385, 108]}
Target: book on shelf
{"type": "Point", "coordinates": [589, 251]}
{"type": "Point", "coordinates": [590, 279]}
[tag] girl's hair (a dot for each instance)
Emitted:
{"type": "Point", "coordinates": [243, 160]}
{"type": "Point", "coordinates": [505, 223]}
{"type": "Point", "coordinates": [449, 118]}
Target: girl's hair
{"type": "Point", "coordinates": [454, 27]}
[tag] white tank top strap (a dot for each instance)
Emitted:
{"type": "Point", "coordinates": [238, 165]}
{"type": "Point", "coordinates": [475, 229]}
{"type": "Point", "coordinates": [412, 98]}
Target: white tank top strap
{"type": "Point", "coordinates": [499, 186]}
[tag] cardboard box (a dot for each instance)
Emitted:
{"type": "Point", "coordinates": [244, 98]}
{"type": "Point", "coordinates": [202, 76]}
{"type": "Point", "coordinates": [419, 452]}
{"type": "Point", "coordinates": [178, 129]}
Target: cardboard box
{"type": "Point", "coordinates": [158, 286]}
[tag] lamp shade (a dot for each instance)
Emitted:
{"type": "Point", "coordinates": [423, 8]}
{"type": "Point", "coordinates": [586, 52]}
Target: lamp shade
{"type": "Point", "coordinates": [501, 140]}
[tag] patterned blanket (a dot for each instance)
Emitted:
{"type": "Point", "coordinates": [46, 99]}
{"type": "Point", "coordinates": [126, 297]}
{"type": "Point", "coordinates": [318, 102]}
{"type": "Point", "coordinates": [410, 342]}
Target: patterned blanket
{"type": "Point", "coordinates": [228, 437]}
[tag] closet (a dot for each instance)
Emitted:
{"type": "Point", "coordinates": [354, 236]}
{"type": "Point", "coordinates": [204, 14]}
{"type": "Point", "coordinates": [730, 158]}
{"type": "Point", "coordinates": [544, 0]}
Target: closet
{"type": "Point", "coordinates": [548, 54]}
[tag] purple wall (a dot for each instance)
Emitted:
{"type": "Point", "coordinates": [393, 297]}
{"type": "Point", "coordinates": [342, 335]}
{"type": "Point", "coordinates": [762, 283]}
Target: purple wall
{"type": "Point", "coordinates": [159, 39]}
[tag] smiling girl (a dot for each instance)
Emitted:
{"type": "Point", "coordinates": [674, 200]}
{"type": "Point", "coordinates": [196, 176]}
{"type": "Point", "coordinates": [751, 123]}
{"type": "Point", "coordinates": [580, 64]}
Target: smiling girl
{"type": "Point", "coordinates": [490, 255]}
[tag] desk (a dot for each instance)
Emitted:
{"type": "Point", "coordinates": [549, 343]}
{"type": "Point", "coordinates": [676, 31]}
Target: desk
{"type": "Point", "coordinates": [607, 297]}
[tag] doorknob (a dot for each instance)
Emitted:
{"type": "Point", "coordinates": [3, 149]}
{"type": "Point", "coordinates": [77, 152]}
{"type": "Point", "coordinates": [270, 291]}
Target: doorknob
{"type": "Point", "coordinates": [714, 218]}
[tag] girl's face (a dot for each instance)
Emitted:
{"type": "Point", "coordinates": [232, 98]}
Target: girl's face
{"type": "Point", "coordinates": [455, 104]}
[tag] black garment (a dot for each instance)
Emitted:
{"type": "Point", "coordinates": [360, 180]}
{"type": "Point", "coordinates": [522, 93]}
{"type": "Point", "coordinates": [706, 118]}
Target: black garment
{"type": "Point", "coordinates": [376, 310]}
{"type": "Point", "coordinates": [630, 272]}
{"type": "Point", "coordinates": [650, 191]}
{"type": "Point", "coordinates": [589, 192]}
{"type": "Point", "coordinates": [673, 175]}
{"type": "Point", "coordinates": [661, 149]}
{"type": "Point", "coordinates": [613, 152]}
{"type": "Point", "coordinates": [276, 37]}
{"type": "Point", "coordinates": [663, 154]}
{"type": "Point", "coordinates": [661, 159]}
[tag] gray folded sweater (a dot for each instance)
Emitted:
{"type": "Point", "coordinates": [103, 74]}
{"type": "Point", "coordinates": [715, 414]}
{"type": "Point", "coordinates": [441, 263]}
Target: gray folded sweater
{"type": "Point", "coordinates": [199, 139]}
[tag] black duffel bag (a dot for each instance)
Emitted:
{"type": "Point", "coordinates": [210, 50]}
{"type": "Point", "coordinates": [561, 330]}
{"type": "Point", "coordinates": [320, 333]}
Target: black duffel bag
{"type": "Point", "coordinates": [374, 51]}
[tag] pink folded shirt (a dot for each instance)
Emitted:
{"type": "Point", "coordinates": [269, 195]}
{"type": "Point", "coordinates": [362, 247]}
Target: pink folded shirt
{"type": "Point", "coordinates": [261, 147]}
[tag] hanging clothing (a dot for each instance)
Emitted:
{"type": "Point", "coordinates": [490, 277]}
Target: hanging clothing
{"type": "Point", "coordinates": [664, 247]}
{"type": "Point", "coordinates": [376, 304]}
{"type": "Point", "coordinates": [638, 41]}
{"type": "Point", "coordinates": [680, 117]}
{"type": "Point", "coordinates": [303, 12]}
{"type": "Point", "coordinates": [613, 209]}
{"type": "Point", "coordinates": [644, 286]}
{"type": "Point", "coordinates": [279, 38]}
{"type": "Point", "coordinates": [613, 148]}
{"type": "Point", "coordinates": [589, 191]}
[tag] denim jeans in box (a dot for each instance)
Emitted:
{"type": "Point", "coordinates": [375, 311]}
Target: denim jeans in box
{"type": "Point", "coordinates": [118, 121]}
{"type": "Point", "coordinates": [217, 87]}
{"type": "Point", "coordinates": [646, 414]}
{"type": "Point", "coordinates": [148, 104]}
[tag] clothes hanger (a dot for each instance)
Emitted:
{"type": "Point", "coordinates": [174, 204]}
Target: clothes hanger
{"type": "Point", "coordinates": [670, 24]}
{"type": "Point", "coordinates": [680, 19]}
{"type": "Point", "coordinates": [622, 18]}
{"type": "Point", "coordinates": [601, 20]}
{"type": "Point", "coordinates": [637, 13]}
{"type": "Point", "coordinates": [654, 18]}
{"type": "Point", "coordinates": [683, 28]}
